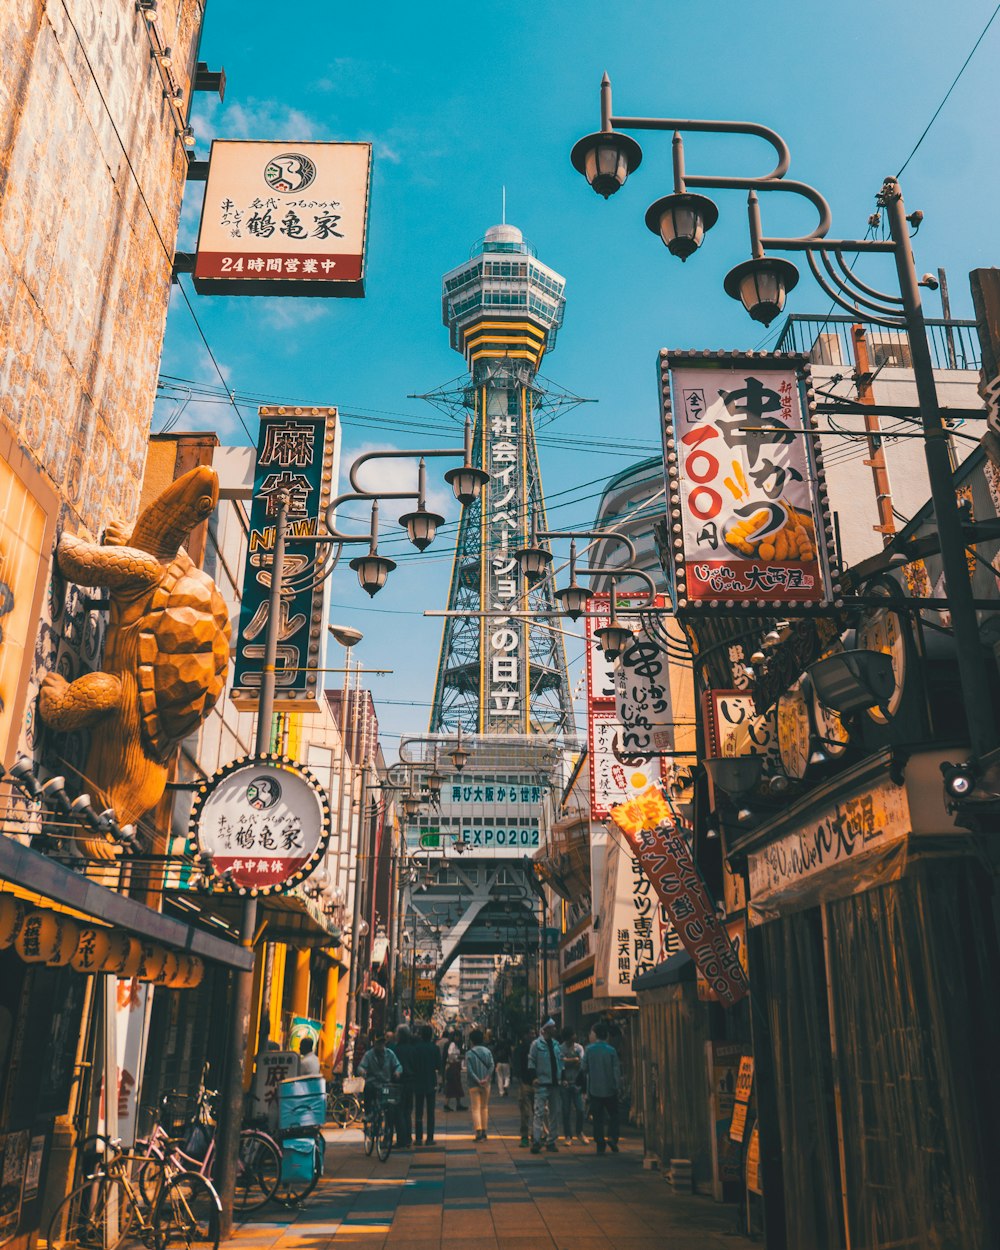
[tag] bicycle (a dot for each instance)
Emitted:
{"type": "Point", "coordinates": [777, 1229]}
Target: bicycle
{"type": "Point", "coordinates": [380, 1121]}
{"type": "Point", "coordinates": [108, 1206]}
{"type": "Point", "coordinates": [290, 1193]}
{"type": "Point", "coordinates": [258, 1172]}
{"type": "Point", "coordinates": [343, 1106]}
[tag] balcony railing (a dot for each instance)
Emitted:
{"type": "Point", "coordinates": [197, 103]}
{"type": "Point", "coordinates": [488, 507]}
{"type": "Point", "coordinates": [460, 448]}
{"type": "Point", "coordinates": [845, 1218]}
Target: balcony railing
{"type": "Point", "coordinates": [827, 341]}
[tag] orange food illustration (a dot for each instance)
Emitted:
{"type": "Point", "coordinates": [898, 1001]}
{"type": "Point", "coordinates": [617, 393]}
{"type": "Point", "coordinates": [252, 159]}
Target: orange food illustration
{"type": "Point", "coordinates": [795, 540]}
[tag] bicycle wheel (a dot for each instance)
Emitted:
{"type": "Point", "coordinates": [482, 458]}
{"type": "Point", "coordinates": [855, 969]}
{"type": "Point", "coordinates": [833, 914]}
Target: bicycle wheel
{"type": "Point", "coordinates": [97, 1215]}
{"type": "Point", "coordinates": [352, 1110]}
{"type": "Point", "coordinates": [258, 1171]}
{"type": "Point", "coordinates": [291, 1193]}
{"type": "Point", "coordinates": [188, 1214]}
{"type": "Point", "coordinates": [384, 1142]}
{"type": "Point", "coordinates": [336, 1110]}
{"type": "Point", "coordinates": [151, 1174]}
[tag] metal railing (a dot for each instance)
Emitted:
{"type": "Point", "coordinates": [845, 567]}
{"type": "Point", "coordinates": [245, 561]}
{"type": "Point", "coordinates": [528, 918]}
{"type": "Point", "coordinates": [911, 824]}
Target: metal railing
{"type": "Point", "coordinates": [827, 341]}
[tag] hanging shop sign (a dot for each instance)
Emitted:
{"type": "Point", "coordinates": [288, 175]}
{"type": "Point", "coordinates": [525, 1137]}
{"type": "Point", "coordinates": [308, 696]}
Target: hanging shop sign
{"type": "Point", "coordinates": [297, 451]}
{"type": "Point", "coordinates": [628, 709]}
{"type": "Point", "coordinates": [265, 822]}
{"type": "Point", "coordinates": [846, 833]}
{"type": "Point", "coordinates": [746, 494]}
{"type": "Point", "coordinates": [635, 933]}
{"type": "Point", "coordinates": [426, 990]}
{"type": "Point", "coordinates": [883, 630]}
{"type": "Point", "coordinates": [794, 732]}
{"type": "Point", "coordinates": [642, 692]}
{"type": "Point", "coordinates": [734, 727]}
{"type": "Point", "coordinates": [284, 219]}
{"type": "Point", "coordinates": [665, 857]}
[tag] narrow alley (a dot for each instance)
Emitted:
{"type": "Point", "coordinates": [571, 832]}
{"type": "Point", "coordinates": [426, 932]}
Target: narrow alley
{"type": "Point", "coordinates": [492, 1195]}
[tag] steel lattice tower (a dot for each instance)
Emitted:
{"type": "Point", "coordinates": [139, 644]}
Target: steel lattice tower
{"type": "Point", "coordinates": [502, 675]}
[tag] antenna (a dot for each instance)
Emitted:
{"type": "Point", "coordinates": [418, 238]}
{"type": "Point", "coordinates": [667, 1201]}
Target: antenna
{"type": "Point", "coordinates": [503, 206]}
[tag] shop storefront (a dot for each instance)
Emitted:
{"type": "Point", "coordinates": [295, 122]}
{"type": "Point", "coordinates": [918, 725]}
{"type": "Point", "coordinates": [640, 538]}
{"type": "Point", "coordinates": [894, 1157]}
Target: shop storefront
{"type": "Point", "coordinates": [80, 969]}
{"type": "Point", "coordinates": [874, 946]}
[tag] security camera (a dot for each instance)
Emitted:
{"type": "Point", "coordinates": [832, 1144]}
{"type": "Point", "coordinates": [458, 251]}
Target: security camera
{"type": "Point", "coordinates": [930, 282]}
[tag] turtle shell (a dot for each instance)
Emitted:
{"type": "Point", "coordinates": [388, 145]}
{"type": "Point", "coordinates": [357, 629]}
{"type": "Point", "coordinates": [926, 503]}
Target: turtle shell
{"type": "Point", "coordinates": [183, 654]}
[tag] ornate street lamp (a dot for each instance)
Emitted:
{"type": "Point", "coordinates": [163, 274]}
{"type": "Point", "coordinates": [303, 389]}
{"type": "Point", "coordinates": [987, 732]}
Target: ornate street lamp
{"type": "Point", "coordinates": [573, 597]}
{"type": "Point", "coordinates": [762, 283]}
{"type": "Point", "coordinates": [761, 286]}
{"type": "Point", "coordinates": [681, 221]}
{"type": "Point", "coordinates": [613, 638]}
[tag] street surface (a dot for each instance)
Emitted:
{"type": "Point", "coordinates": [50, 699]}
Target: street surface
{"type": "Point", "coordinates": [492, 1195]}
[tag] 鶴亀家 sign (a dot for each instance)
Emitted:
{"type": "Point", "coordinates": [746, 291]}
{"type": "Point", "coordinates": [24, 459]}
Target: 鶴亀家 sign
{"type": "Point", "coordinates": [297, 452]}
{"type": "Point", "coordinates": [746, 497]}
{"type": "Point", "coordinates": [265, 822]}
{"type": "Point", "coordinates": [284, 219]}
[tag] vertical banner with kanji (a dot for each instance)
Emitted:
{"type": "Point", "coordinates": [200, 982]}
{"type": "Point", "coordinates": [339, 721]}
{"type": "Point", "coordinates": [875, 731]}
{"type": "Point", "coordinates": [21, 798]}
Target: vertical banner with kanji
{"type": "Point", "coordinates": [297, 452]}
{"type": "Point", "coordinates": [629, 721]}
{"type": "Point", "coordinates": [666, 859]}
{"type": "Point", "coordinates": [744, 480]}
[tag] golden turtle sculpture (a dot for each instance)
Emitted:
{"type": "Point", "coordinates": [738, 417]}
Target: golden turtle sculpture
{"type": "Point", "coordinates": [165, 658]}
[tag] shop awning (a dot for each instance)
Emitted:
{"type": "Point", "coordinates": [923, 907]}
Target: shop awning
{"type": "Point", "coordinates": [23, 867]}
{"type": "Point", "coordinates": [679, 967]}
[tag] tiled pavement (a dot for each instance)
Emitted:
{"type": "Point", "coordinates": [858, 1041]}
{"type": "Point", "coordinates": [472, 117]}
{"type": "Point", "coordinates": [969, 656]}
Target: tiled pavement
{"type": "Point", "coordinates": [492, 1195]}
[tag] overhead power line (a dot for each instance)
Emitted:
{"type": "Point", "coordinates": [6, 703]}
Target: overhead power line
{"type": "Point", "coordinates": [954, 84]}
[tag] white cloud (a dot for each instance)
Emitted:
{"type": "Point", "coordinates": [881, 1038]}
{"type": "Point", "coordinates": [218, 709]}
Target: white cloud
{"type": "Point", "coordinates": [398, 474]}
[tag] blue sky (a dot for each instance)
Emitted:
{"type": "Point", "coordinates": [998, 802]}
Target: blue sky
{"type": "Point", "coordinates": [460, 100]}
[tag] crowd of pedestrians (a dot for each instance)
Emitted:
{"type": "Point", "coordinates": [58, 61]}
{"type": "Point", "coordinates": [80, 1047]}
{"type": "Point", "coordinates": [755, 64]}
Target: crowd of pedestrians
{"type": "Point", "coordinates": [559, 1082]}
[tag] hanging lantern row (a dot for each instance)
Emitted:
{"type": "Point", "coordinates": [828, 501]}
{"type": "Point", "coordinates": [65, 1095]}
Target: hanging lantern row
{"type": "Point", "coordinates": [41, 936]}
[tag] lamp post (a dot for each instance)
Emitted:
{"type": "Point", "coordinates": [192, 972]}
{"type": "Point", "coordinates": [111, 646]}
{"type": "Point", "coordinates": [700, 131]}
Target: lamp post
{"type": "Point", "coordinates": [607, 157]}
{"type": "Point", "coordinates": [231, 1111]}
{"type": "Point", "coordinates": [421, 525]}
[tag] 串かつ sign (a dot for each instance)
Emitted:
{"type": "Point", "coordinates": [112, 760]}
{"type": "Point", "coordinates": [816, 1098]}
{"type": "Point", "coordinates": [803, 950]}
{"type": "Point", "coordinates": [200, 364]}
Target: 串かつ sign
{"type": "Point", "coordinates": [745, 485]}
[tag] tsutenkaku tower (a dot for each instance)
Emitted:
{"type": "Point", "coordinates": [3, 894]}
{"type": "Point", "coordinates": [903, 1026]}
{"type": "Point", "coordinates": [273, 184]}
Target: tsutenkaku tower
{"type": "Point", "coordinates": [502, 675]}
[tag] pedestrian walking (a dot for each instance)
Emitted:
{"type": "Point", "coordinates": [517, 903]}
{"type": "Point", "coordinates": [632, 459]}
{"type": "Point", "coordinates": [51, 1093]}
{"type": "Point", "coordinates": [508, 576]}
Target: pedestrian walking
{"type": "Point", "coordinates": [479, 1067]}
{"type": "Point", "coordinates": [426, 1062]}
{"type": "Point", "coordinates": [525, 1091]}
{"type": "Point", "coordinates": [571, 1089]}
{"type": "Point", "coordinates": [545, 1064]}
{"type": "Point", "coordinates": [501, 1057]}
{"type": "Point", "coordinates": [603, 1072]}
{"type": "Point", "coordinates": [453, 1090]}
{"type": "Point", "coordinates": [404, 1047]}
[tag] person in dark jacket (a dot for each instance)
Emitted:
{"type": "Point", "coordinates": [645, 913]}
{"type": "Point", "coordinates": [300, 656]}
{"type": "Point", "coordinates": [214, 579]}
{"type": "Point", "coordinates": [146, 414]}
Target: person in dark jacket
{"type": "Point", "coordinates": [404, 1046]}
{"type": "Point", "coordinates": [426, 1062]}
{"type": "Point", "coordinates": [526, 1092]}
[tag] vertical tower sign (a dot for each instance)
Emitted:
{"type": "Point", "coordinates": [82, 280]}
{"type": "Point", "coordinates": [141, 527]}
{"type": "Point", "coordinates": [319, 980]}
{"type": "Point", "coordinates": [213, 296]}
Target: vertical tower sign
{"type": "Point", "coordinates": [297, 452]}
{"type": "Point", "coordinates": [501, 674]}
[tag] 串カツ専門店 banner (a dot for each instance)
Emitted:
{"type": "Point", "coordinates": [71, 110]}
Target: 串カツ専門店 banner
{"type": "Point", "coordinates": [746, 495]}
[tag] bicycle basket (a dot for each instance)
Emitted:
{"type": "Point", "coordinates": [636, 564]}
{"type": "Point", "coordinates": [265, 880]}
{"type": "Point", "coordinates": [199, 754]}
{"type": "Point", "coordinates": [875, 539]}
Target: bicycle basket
{"type": "Point", "coordinates": [391, 1094]}
{"type": "Point", "coordinates": [354, 1084]}
{"type": "Point", "coordinates": [177, 1115]}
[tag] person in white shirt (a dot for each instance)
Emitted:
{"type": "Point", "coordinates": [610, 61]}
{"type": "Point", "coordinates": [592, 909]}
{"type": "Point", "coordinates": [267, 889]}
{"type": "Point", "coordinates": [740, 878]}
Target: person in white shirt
{"type": "Point", "coordinates": [479, 1067]}
{"type": "Point", "coordinates": [308, 1060]}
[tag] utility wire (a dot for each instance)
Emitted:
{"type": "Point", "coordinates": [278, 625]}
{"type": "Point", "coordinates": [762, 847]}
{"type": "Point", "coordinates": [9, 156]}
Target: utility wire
{"type": "Point", "coordinates": [142, 196]}
{"type": "Point", "coordinates": [954, 84]}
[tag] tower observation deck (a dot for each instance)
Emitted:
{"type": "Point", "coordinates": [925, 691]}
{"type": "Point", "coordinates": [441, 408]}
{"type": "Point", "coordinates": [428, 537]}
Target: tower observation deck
{"type": "Point", "coordinates": [501, 675]}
